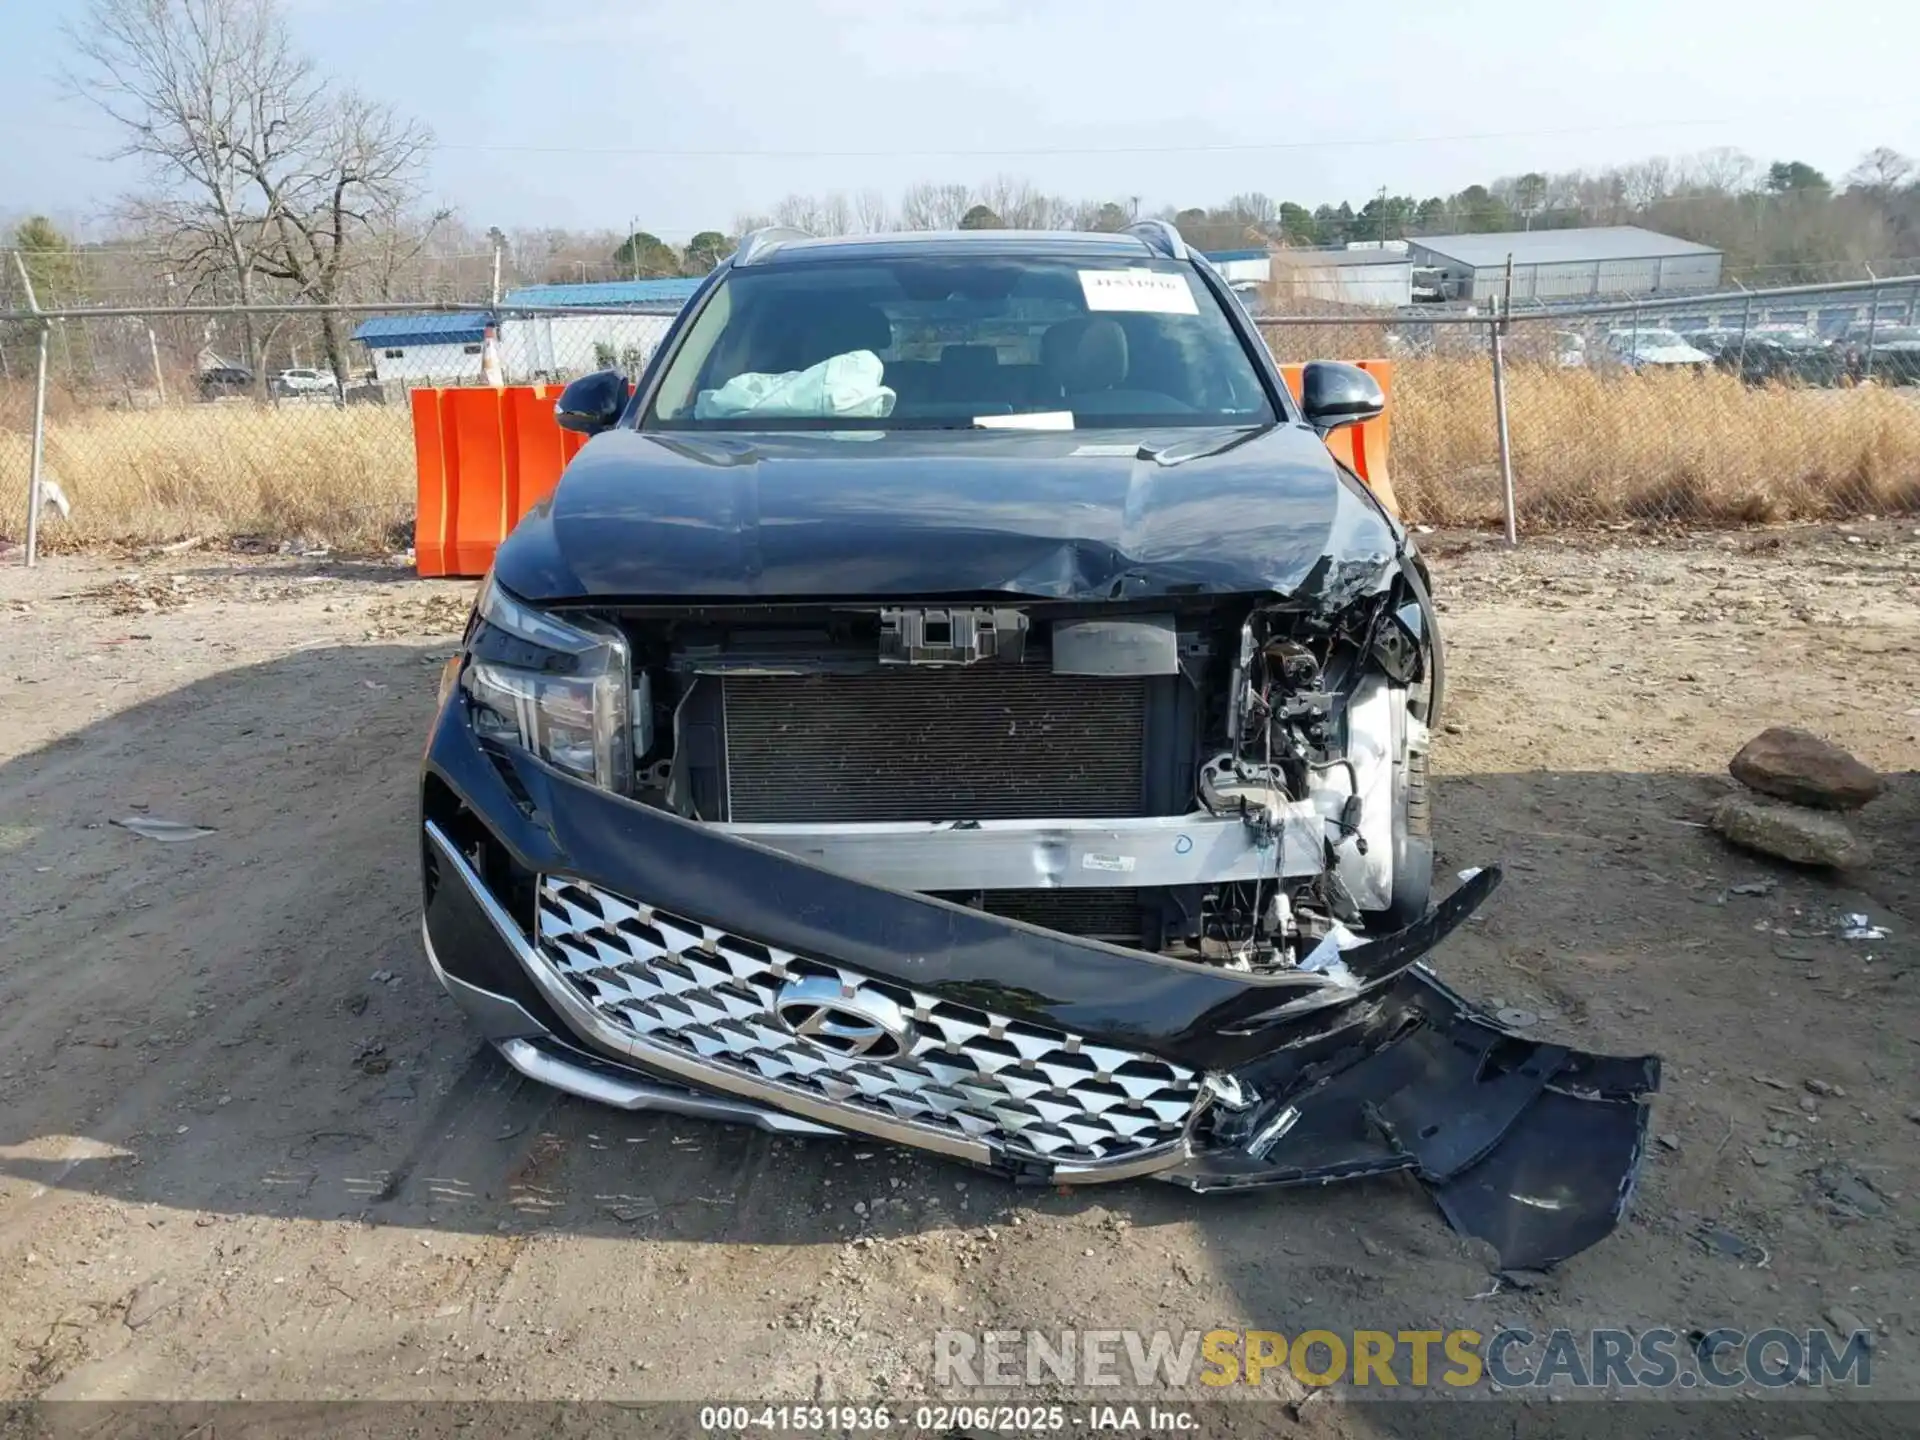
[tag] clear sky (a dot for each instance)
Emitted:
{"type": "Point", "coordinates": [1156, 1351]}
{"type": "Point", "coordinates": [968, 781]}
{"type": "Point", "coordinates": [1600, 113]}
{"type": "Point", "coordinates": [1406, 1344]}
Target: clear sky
{"type": "Point", "coordinates": [572, 113]}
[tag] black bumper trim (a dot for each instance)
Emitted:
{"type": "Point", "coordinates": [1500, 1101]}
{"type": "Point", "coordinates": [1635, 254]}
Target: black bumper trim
{"type": "Point", "coordinates": [1202, 1016]}
{"type": "Point", "coordinates": [1535, 1148]}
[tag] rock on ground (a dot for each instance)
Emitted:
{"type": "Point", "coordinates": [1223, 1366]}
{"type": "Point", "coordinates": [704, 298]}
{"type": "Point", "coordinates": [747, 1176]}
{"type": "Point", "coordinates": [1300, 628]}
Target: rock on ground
{"type": "Point", "coordinates": [1789, 832]}
{"type": "Point", "coordinates": [1798, 765]}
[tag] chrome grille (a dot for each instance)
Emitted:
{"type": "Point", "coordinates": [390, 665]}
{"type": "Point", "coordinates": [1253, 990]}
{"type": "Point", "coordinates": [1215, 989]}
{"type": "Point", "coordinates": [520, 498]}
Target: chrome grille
{"type": "Point", "coordinates": [1036, 1092]}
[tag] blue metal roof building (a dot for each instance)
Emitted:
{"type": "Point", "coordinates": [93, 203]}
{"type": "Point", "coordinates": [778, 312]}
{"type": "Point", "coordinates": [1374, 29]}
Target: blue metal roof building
{"type": "Point", "coordinates": [622, 318]}
{"type": "Point", "coordinates": [607, 293]}
{"type": "Point", "coordinates": [438, 347]}
{"type": "Point", "coordinates": [398, 331]}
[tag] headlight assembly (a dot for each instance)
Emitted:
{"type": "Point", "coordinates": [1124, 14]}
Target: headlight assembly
{"type": "Point", "coordinates": [559, 687]}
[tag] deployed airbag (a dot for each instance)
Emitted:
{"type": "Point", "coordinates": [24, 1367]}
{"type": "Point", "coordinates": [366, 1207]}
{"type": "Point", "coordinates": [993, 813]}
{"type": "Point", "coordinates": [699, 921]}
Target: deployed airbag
{"type": "Point", "coordinates": [842, 385]}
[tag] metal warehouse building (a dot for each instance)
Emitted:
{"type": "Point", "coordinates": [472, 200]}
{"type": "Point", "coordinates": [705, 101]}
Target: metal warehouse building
{"type": "Point", "coordinates": [1610, 261]}
{"type": "Point", "coordinates": [439, 348]}
{"type": "Point", "coordinates": [1373, 277]}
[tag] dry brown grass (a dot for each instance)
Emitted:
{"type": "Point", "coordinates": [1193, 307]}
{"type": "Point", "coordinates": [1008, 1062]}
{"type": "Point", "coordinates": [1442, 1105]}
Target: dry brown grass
{"type": "Point", "coordinates": [1589, 447]}
{"type": "Point", "coordinates": [341, 476]}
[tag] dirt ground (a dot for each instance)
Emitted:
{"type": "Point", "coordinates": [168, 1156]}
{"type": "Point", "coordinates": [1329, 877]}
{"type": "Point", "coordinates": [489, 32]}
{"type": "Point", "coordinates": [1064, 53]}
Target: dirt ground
{"type": "Point", "coordinates": [248, 1149]}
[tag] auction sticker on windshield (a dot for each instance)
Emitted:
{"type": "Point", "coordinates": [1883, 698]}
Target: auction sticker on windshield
{"type": "Point", "coordinates": [1147, 290]}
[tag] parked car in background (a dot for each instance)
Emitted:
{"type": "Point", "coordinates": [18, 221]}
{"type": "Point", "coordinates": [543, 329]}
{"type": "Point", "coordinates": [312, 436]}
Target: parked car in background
{"type": "Point", "coordinates": [304, 382]}
{"type": "Point", "coordinates": [1645, 349]}
{"type": "Point", "coordinates": [1562, 349]}
{"type": "Point", "coordinates": [1895, 350]}
{"type": "Point", "coordinates": [221, 380]}
{"type": "Point", "coordinates": [1794, 352]}
{"type": "Point", "coordinates": [1721, 346]}
{"type": "Point", "coordinates": [1569, 349]}
{"type": "Point", "coordinates": [1772, 353]}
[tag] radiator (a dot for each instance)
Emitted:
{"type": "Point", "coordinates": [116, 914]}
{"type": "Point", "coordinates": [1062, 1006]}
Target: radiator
{"type": "Point", "coordinates": [1102, 914]}
{"type": "Point", "coordinates": [980, 742]}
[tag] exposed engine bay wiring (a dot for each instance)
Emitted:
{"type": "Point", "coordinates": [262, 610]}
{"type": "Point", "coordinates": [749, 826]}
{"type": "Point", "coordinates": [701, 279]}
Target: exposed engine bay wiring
{"type": "Point", "coordinates": [1289, 724]}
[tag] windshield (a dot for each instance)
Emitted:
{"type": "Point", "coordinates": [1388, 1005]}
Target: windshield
{"type": "Point", "coordinates": [1796, 336]}
{"type": "Point", "coordinates": [954, 343]}
{"type": "Point", "coordinates": [1648, 339]}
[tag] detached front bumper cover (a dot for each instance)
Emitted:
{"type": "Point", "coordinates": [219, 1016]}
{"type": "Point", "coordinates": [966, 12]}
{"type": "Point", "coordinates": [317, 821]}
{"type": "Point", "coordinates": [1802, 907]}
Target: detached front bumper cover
{"type": "Point", "coordinates": [669, 966]}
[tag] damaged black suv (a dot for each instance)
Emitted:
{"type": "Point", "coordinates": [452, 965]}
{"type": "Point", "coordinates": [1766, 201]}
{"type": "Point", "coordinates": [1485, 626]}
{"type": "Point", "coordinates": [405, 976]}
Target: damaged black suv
{"type": "Point", "coordinates": [957, 698]}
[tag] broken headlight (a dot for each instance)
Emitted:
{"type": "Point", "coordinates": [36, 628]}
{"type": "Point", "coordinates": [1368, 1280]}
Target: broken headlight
{"type": "Point", "coordinates": [558, 687]}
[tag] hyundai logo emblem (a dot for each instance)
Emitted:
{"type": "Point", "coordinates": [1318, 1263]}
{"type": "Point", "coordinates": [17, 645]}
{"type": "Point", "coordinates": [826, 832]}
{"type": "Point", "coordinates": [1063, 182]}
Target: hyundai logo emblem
{"type": "Point", "coordinates": [848, 1020]}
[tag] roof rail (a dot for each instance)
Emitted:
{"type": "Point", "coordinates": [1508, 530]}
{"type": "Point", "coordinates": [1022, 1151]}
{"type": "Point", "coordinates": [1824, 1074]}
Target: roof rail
{"type": "Point", "coordinates": [1160, 237]}
{"type": "Point", "coordinates": [758, 244]}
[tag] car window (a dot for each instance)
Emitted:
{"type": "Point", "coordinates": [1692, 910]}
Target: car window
{"type": "Point", "coordinates": [948, 342]}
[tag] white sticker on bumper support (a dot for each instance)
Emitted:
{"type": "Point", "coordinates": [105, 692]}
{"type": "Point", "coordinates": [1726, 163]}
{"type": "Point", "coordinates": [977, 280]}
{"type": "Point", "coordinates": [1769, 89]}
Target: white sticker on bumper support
{"type": "Point", "coordinates": [1118, 864]}
{"type": "Point", "coordinates": [1139, 290]}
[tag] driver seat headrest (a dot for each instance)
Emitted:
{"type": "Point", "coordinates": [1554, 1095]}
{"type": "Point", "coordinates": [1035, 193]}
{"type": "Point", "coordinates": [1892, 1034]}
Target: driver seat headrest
{"type": "Point", "coordinates": [1085, 355]}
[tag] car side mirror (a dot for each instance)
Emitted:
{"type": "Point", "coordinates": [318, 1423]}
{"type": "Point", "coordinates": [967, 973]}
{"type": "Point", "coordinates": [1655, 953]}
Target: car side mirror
{"type": "Point", "coordinates": [593, 402]}
{"type": "Point", "coordinates": [1333, 395]}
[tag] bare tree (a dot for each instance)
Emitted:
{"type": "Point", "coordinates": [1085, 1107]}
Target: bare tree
{"type": "Point", "coordinates": [1053, 212]}
{"type": "Point", "coordinates": [1602, 198]}
{"type": "Point", "coordinates": [870, 214]}
{"type": "Point", "coordinates": [836, 215]}
{"type": "Point", "coordinates": [1024, 207]}
{"type": "Point", "coordinates": [934, 207]}
{"type": "Point", "coordinates": [802, 212]}
{"type": "Point", "coordinates": [1723, 169]}
{"type": "Point", "coordinates": [1525, 195]}
{"type": "Point", "coordinates": [259, 171]}
{"type": "Point", "coordinates": [1563, 191]}
{"type": "Point", "coordinates": [1881, 171]}
{"type": "Point", "coordinates": [1254, 209]}
{"type": "Point", "coordinates": [411, 260]}
{"type": "Point", "coordinates": [1646, 182]}
{"type": "Point", "coordinates": [195, 85]}
{"type": "Point", "coordinates": [359, 164]}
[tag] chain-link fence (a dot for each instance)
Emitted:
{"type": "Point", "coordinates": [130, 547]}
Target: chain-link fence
{"type": "Point", "coordinates": [1797, 403]}
{"type": "Point", "coordinates": [290, 425]}
{"type": "Point", "coordinates": [157, 427]}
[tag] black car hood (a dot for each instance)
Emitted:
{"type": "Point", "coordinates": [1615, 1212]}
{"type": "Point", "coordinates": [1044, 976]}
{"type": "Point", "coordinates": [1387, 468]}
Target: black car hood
{"type": "Point", "coordinates": [1076, 515]}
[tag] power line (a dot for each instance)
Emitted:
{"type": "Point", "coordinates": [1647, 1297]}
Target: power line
{"type": "Point", "coordinates": [1045, 151]}
{"type": "Point", "coordinates": [1042, 151]}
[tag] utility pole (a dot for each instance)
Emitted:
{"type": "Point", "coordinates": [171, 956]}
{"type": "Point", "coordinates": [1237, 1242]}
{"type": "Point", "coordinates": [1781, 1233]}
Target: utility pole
{"type": "Point", "coordinates": [1383, 217]}
{"type": "Point", "coordinates": [633, 250]}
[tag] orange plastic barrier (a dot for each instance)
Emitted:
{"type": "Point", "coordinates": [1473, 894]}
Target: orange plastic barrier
{"type": "Point", "coordinates": [485, 457]}
{"type": "Point", "coordinates": [1362, 448]}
